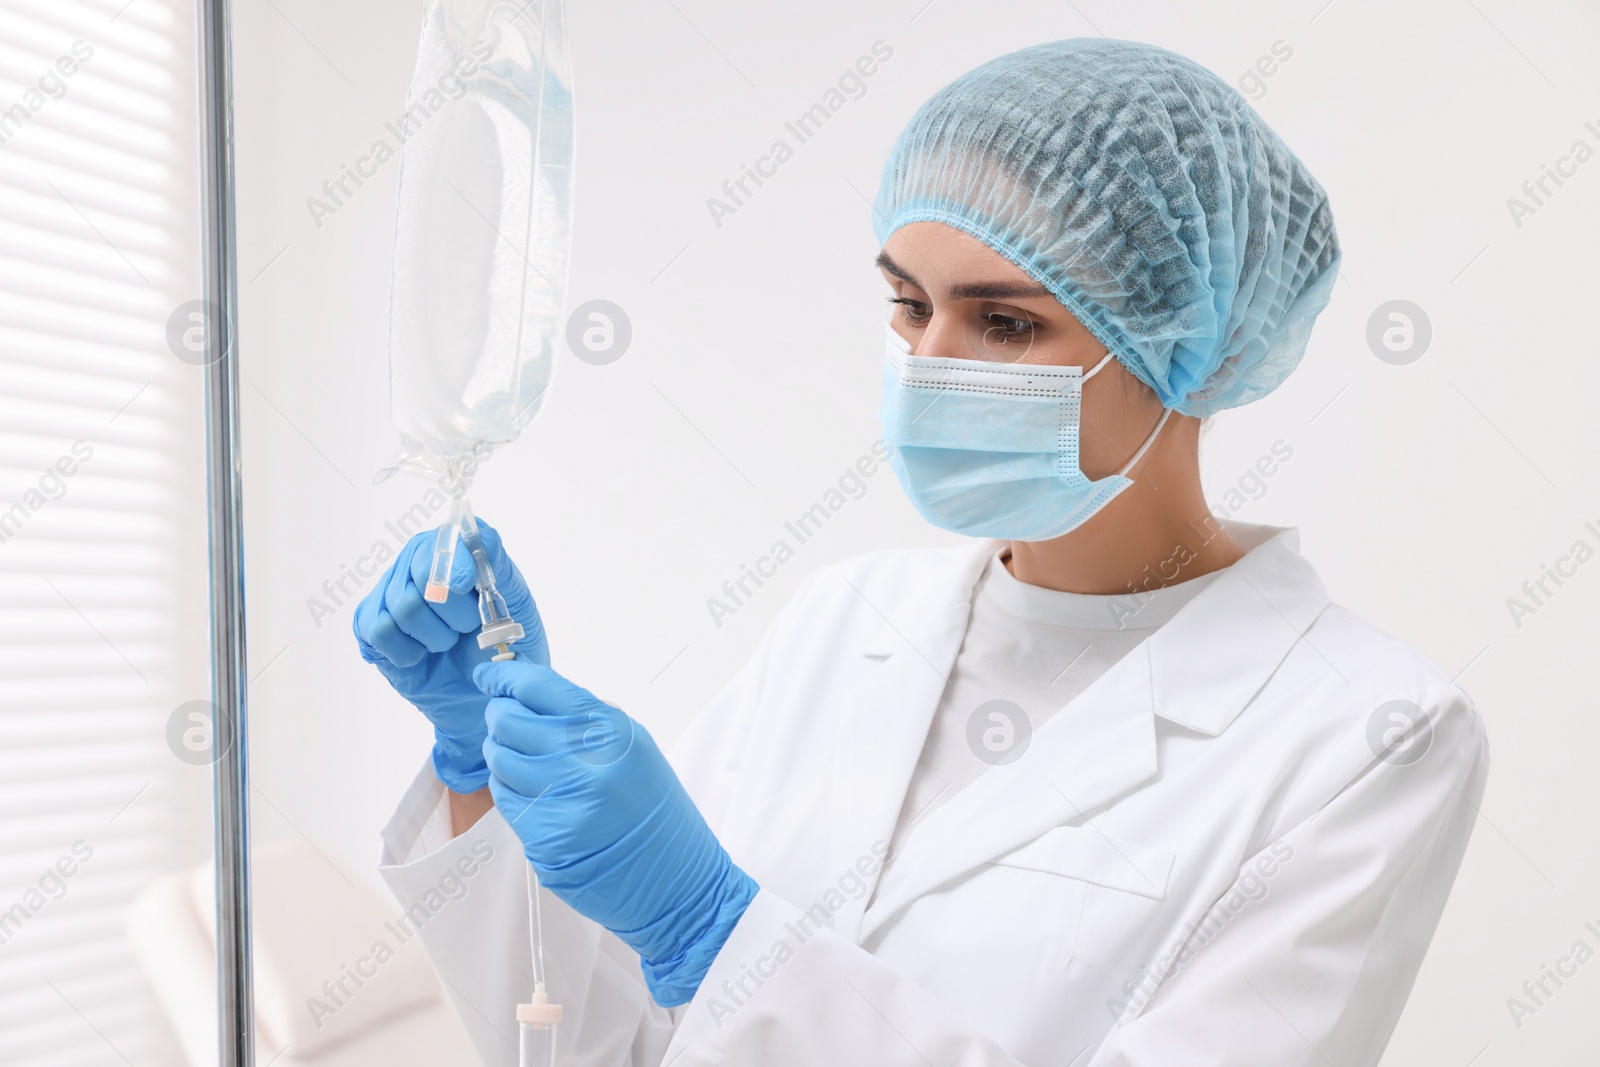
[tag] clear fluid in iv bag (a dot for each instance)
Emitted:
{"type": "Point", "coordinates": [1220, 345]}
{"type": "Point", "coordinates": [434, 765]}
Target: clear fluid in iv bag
{"type": "Point", "coordinates": [482, 225]}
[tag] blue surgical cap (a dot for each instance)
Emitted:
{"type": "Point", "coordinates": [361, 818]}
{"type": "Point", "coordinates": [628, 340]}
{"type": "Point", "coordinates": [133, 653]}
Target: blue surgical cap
{"type": "Point", "coordinates": [1145, 194]}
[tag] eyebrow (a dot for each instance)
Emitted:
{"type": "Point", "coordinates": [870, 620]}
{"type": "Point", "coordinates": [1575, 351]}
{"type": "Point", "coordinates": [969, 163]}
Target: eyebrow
{"type": "Point", "coordinates": [970, 291]}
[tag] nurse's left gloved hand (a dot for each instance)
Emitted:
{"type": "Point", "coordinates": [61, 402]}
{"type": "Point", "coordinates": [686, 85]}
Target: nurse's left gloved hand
{"type": "Point", "coordinates": [608, 826]}
{"type": "Point", "coordinates": [427, 651]}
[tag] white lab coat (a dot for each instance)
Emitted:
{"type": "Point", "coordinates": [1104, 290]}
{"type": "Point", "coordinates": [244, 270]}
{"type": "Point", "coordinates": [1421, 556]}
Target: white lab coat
{"type": "Point", "coordinates": [1200, 860]}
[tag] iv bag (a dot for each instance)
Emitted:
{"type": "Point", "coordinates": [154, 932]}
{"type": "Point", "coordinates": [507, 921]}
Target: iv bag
{"type": "Point", "coordinates": [482, 227]}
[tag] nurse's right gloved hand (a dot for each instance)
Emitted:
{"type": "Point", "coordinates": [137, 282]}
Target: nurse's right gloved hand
{"type": "Point", "coordinates": [428, 651]}
{"type": "Point", "coordinates": [609, 827]}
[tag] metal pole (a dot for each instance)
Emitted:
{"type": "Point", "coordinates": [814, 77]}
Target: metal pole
{"type": "Point", "coordinates": [235, 1007]}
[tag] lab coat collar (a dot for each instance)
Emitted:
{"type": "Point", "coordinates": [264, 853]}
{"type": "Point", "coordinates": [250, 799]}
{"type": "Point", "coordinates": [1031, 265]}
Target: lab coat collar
{"type": "Point", "coordinates": [1201, 674]}
{"type": "Point", "coordinates": [1199, 671]}
{"type": "Point", "coordinates": [881, 728]}
{"type": "Point", "coordinates": [1219, 650]}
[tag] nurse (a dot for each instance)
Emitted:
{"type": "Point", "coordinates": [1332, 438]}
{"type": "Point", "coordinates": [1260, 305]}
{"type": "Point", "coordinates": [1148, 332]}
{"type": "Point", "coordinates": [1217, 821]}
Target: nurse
{"type": "Point", "coordinates": [1112, 784]}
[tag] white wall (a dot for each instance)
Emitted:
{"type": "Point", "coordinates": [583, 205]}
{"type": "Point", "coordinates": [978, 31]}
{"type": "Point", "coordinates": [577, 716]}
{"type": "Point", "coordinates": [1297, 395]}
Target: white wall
{"type": "Point", "coordinates": [1426, 493]}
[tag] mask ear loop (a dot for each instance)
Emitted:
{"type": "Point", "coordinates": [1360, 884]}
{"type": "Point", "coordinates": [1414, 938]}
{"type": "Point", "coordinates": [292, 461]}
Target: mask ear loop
{"type": "Point", "coordinates": [1148, 440]}
{"type": "Point", "coordinates": [1098, 366]}
{"type": "Point", "coordinates": [1166, 413]}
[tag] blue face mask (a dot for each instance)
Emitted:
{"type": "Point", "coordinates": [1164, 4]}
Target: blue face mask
{"type": "Point", "coordinates": [991, 449]}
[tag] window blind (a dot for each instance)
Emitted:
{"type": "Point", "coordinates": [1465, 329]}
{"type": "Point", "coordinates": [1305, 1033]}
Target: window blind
{"type": "Point", "coordinates": [97, 469]}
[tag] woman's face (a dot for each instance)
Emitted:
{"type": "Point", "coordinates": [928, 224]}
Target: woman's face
{"type": "Point", "coordinates": [957, 298]}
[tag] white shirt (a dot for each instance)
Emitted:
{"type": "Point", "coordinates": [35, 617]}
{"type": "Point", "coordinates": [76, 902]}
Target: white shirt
{"type": "Point", "coordinates": [1027, 652]}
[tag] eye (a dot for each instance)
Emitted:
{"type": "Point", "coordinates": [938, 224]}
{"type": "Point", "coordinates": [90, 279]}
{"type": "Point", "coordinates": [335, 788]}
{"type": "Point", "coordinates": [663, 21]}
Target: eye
{"type": "Point", "coordinates": [1007, 327]}
{"type": "Point", "coordinates": [915, 312]}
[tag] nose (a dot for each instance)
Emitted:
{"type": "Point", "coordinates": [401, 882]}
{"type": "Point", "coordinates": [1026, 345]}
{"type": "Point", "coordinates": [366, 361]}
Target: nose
{"type": "Point", "coordinates": [941, 337]}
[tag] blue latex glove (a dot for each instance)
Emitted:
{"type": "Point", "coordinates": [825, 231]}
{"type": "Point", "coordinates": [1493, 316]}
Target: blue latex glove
{"type": "Point", "coordinates": [608, 826]}
{"type": "Point", "coordinates": [428, 651]}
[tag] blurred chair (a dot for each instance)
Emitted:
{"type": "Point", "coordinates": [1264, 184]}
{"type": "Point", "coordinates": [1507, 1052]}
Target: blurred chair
{"type": "Point", "coordinates": [339, 980]}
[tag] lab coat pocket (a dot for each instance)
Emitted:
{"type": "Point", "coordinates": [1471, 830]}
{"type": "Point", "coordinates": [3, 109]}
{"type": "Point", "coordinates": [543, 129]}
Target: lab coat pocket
{"type": "Point", "coordinates": [1047, 924]}
{"type": "Point", "coordinates": [1086, 854]}
{"type": "Point", "coordinates": [1122, 919]}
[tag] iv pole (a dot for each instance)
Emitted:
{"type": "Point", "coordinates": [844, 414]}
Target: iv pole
{"type": "Point", "coordinates": [235, 1007]}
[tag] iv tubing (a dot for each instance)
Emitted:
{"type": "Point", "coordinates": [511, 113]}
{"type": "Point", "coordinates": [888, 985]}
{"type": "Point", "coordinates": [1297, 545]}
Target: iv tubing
{"type": "Point", "coordinates": [537, 1020]}
{"type": "Point", "coordinates": [535, 931]}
